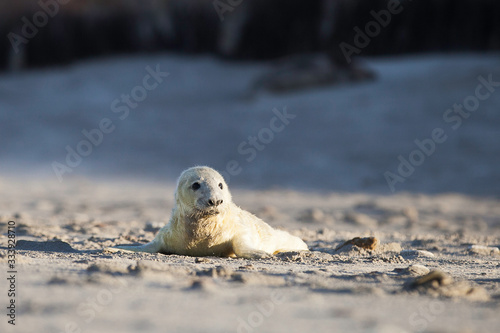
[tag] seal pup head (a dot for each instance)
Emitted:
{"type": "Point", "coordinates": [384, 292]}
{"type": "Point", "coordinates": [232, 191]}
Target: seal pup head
{"type": "Point", "coordinates": [202, 191]}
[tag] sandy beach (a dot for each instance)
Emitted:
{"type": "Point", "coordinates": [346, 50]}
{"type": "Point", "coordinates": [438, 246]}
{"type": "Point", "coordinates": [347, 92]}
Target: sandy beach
{"type": "Point", "coordinates": [66, 283]}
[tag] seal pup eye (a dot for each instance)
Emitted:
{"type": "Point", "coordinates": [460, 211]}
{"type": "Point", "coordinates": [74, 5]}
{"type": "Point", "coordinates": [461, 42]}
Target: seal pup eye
{"type": "Point", "coordinates": [221, 186]}
{"type": "Point", "coordinates": [195, 186]}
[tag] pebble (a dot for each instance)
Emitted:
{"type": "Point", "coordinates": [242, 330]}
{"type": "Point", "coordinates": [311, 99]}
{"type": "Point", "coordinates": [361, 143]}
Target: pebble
{"type": "Point", "coordinates": [415, 270]}
{"type": "Point", "coordinates": [481, 249]}
{"type": "Point", "coordinates": [433, 279]}
{"type": "Point", "coordinates": [369, 243]}
{"type": "Point", "coordinates": [417, 253]}
{"type": "Point", "coordinates": [418, 269]}
{"type": "Point", "coordinates": [438, 283]}
{"type": "Point", "coordinates": [202, 260]}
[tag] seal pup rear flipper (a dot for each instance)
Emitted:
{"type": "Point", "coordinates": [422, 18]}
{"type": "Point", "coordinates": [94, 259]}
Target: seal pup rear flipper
{"type": "Point", "coordinates": [151, 247]}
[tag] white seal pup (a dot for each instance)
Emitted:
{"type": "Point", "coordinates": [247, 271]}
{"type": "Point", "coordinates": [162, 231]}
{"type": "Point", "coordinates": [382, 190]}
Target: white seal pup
{"type": "Point", "coordinates": [206, 222]}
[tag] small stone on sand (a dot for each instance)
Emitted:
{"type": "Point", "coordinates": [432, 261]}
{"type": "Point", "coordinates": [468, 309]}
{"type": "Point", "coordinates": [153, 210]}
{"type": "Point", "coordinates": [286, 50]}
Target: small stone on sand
{"type": "Point", "coordinates": [414, 270]}
{"type": "Point", "coordinates": [434, 279]}
{"type": "Point", "coordinates": [418, 269]}
{"type": "Point", "coordinates": [437, 283]}
{"type": "Point", "coordinates": [481, 249]}
{"type": "Point", "coordinates": [368, 243]}
{"type": "Point", "coordinates": [417, 253]}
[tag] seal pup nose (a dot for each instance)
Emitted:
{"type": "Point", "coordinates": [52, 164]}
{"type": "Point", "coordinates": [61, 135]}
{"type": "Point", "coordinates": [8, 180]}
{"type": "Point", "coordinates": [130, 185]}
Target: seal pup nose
{"type": "Point", "coordinates": [216, 203]}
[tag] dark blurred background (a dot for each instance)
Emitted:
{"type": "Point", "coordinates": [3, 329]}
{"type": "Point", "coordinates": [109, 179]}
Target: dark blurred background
{"type": "Point", "coordinates": [241, 29]}
{"type": "Point", "coordinates": [67, 64]}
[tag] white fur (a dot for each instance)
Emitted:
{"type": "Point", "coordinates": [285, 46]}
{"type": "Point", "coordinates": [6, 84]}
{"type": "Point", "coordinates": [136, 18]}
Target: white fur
{"type": "Point", "coordinates": [198, 229]}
